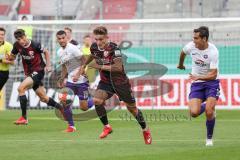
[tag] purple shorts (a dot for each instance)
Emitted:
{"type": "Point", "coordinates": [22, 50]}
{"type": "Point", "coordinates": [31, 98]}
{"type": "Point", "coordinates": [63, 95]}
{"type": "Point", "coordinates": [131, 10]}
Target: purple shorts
{"type": "Point", "coordinates": [81, 90]}
{"type": "Point", "coordinates": [203, 90]}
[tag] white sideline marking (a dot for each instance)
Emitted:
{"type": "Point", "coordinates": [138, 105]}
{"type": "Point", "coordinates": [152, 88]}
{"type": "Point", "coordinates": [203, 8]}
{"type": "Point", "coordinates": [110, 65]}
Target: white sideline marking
{"type": "Point", "coordinates": [105, 140]}
{"type": "Point", "coordinates": [124, 119]}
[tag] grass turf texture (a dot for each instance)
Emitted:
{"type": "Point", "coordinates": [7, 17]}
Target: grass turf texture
{"type": "Point", "coordinates": [172, 139]}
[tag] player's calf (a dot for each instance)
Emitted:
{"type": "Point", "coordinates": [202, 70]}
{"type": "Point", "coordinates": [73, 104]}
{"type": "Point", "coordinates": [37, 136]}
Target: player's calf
{"type": "Point", "coordinates": [140, 119]}
{"type": "Point", "coordinates": [210, 122]}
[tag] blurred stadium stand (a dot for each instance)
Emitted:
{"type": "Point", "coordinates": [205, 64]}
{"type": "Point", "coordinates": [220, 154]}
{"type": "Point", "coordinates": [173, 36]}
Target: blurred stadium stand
{"type": "Point", "coordinates": [120, 9]}
{"type": "Point", "coordinates": [190, 8]}
{"type": "Point", "coordinates": [8, 9]}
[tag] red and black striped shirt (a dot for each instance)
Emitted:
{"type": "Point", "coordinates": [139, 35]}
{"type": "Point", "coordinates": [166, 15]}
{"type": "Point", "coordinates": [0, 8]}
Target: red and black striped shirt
{"type": "Point", "coordinates": [32, 59]}
{"type": "Point", "coordinates": [106, 57]}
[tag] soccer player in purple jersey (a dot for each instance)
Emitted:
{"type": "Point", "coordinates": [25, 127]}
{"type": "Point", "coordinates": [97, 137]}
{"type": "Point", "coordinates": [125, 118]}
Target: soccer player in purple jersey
{"type": "Point", "coordinates": [113, 80]}
{"type": "Point", "coordinates": [70, 57]}
{"type": "Point", "coordinates": [204, 76]}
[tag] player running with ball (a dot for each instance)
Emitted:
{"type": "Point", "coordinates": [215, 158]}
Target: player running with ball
{"type": "Point", "coordinates": [70, 57]}
{"type": "Point", "coordinates": [113, 80]}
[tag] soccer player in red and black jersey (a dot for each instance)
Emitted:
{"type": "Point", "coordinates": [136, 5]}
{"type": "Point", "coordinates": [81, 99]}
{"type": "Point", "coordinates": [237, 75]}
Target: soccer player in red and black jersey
{"type": "Point", "coordinates": [113, 80]}
{"type": "Point", "coordinates": [34, 69]}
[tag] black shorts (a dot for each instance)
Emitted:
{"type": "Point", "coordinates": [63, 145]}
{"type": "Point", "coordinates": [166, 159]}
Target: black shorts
{"type": "Point", "coordinates": [123, 91]}
{"type": "Point", "coordinates": [4, 77]}
{"type": "Point", "coordinates": [37, 78]}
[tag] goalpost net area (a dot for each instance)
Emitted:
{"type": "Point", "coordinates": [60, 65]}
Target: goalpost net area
{"type": "Point", "coordinates": [151, 49]}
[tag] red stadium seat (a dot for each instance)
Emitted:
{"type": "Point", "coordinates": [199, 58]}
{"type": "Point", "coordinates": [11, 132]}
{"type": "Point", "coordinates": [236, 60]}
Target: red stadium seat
{"type": "Point", "coordinates": [120, 9]}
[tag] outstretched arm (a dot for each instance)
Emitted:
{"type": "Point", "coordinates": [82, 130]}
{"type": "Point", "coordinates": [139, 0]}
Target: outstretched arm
{"type": "Point", "coordinates": [63, 76]}
{"type": "Point", "coordinates": [88, 60]}
{"type": "Point", "coordinates": [48, 67]}
{"type": "Point", "coordinates": [7, 60]}
{"type": "Point", "coordinates": [81, 70]}
{"type": "Point", "coordinates": [181, 61]}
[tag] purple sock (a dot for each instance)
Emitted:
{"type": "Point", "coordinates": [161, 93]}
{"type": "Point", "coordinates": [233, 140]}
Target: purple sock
{"type": "Point", "coordinates": [68, 115]}
{"type": "Point", "coordinates": [90, 103]}
{"type": "Point", "coordinates": [203, 107]}
{"type": "Point", "coordinates": [210, 126]}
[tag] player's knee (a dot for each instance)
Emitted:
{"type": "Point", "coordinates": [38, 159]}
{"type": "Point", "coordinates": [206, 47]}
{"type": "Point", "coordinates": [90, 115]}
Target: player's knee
{"type": "Point", "coordinates": [44, 99]}
{"type": "Point", "coordinates": [194, 114]}
{"type": "Point", "coordinates": [83, 105]}
{"type": "Point", "coordinates": [132, 110]}
{"type": "Point", "coordinates": [21, 89]}
{"type": "Point", "coordinates": [98, 101]}
{"type": "Point", "coordinates": [209, 113]}
{"type": "Point", "coordinates": [84, 108]}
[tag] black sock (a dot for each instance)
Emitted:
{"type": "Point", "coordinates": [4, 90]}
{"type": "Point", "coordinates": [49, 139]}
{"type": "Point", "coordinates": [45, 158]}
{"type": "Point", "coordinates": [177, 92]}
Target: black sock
{"type": "Point", "coordinates": [58, 106]}
{"type": "Point", "coordinates": [23, 103]}
{"type": "Point", "coordinates": [139, 117]}
{"type": "Point", "coordinates": [54, 104]}
{"type": "Point", "coordinates": [102, 114]}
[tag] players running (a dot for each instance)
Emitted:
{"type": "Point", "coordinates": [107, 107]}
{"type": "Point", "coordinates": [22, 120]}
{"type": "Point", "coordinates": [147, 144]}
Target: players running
{"type": "Point", "coordinates": [34, 69]}
{"type": "Point", "coordinates": [113, 81]}
{"type": "Point", "coordinates": [204, 76]}
{"type": "Point", "coordinates": [70, 57]}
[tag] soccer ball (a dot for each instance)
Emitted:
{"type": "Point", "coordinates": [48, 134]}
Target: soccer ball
{"type": "Point", "coordinates": [66, 96]}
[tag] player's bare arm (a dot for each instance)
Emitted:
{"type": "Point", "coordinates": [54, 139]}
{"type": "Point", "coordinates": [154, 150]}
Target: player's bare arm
{"type": "Point", "coordinates": [11, 57]}
{"type": "Point", "coordinates": [81, 70]}
{"type": "Point", "coordinates": [88, 60]}
{"type": "Point", "coordinates": [48, 67]}
{"type": "Point", "coordinates": [6, 60]}
{"type": "Point", "coordinates": [212, 74]}
{"type": "Point", "coordinates": [63, 75]}
{"type": "Point", "coordinates": [181, 61]}
{"type": "Point", "coordinates": [115, 67]}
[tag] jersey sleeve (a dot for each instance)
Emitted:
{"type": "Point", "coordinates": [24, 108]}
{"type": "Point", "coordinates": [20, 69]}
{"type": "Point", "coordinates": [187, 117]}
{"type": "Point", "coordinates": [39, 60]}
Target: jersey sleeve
{"type": "Point", "coordinates": [15, 49]}
{"type": "Point", "coordinates": [76, 51]}
{"type": "Point", "coordinates": [214, 60]}
{"type": "Point", "coordinates": [187, 48]}
{"type": "Point", "coordinates": [93, 48]}
{"type": "Point", "coordinates": [40, 48]}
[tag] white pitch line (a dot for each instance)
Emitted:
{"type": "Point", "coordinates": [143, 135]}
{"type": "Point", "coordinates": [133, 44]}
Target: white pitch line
{"type": "Point", "coordinates": [105, 140]}
{"type": "Point", "coordinates": [132, 119]}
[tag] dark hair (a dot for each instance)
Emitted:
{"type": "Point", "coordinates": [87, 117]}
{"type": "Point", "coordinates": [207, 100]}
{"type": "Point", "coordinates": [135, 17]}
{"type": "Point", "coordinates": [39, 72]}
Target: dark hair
{"type": "Point", "coordinates": [203, 32]}
{"type": "Point", "coordinates": [19, 33]}
{"type": "Point", "coordinates": [2, 29]}
{"type": "Point", "coordinates": [68, 28]}
{"type": "Point", "coordinates": [24, 17]}
{"type": "Point", "coordinates": [100, 30]}
{"type": "Point", "coordinates": [61, 32]}
{"type": "Point", "coordinates": [86, 36]}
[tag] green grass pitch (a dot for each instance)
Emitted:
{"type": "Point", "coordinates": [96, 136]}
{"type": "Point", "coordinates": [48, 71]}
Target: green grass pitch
{"type": "Point", "coordinates": [179, 139]}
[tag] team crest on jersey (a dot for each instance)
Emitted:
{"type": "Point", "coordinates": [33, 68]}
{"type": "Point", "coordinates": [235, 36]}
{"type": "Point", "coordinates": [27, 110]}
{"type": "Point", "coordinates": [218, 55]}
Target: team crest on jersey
{"type": "Point", "coordinates": [105, 53]}
{"type": "Point", "coordinates": [117, 53]}
{"type": "Point", "coordinates": [205, 56]}
{"type": "Point", "coordinates": [31, 53]}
